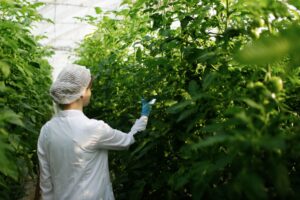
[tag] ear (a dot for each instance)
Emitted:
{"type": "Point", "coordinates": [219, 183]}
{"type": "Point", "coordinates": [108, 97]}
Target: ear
{"type": "Point", "coordinates": [82, 94]}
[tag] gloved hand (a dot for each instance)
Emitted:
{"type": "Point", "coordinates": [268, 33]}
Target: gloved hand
{"type": "Point", "coordinates": [139, 125]}
{"type": "Point", "coordinates": [146, 107]}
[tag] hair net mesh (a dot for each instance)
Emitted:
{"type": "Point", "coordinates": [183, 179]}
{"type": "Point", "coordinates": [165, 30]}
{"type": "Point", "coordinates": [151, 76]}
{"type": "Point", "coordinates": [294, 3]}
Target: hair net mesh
{"type": "Point", "coordinates": [70, 84]}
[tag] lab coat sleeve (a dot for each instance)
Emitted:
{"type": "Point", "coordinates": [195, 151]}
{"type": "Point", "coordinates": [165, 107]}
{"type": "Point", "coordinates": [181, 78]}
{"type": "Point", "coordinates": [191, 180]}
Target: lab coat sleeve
{"type": "Point", "coordinates": [45, 176]}
{"type": "Point", "coordinates": [112, 139]}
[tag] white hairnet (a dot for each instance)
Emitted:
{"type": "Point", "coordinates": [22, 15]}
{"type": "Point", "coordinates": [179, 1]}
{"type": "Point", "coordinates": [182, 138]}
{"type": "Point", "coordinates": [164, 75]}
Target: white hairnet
{"type": "Point", "coordinates": [70, 84]}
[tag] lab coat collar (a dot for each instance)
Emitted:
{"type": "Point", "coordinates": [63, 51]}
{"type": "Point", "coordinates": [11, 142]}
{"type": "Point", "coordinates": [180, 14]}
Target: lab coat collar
{"type": "Point", "coordinates": [69, 113]}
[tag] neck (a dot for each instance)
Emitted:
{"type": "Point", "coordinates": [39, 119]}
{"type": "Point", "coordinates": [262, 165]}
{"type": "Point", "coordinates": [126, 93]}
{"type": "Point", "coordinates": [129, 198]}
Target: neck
{"type": "Point", "coordinates": [77, 105]}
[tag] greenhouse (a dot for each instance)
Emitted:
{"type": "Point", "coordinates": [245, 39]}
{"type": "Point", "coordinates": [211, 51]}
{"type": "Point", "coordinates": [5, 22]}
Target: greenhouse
{"type": "Point", "coordinates": [149, 99]}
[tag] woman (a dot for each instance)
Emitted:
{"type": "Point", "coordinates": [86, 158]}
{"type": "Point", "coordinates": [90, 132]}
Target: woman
{"type": "Point", "coordinates": [73, 149]}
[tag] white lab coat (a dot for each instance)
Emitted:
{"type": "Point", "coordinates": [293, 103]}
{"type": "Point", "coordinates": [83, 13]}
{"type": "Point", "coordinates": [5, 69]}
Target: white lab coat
{"type": "Point", "coordinates": [73, 157]}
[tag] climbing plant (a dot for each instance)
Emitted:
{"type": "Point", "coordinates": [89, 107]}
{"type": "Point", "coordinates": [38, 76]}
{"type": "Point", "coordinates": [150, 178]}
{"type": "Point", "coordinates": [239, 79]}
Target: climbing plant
{"type": "Point", "coordinates": [24, 103]}
{"type": "Point", "coordinates": [225, 74]}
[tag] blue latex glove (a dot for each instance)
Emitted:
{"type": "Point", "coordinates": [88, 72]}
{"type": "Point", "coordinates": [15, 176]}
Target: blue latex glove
{"type": "Point", "coordinates": [146, 107]}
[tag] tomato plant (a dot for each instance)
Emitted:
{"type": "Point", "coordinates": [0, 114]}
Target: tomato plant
{"type": "Point", "coordinates": [226, 77]}
{"type": "Point", "coordinates": [24, 103]}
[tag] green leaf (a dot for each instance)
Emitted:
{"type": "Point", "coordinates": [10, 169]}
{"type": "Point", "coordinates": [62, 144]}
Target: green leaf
{"type": "Point", "coordinates": [185, 21]}
{"type": "Point", "coordinates": [253, 104]}
{"type": "Point", "coordinates": [193, 88]}
{"type": "Point", "coordinates": [179, 106]}
{"type": "Point", "coordinates": [145, 150]}
{"type": "Point", "coordinates": [26, 40]}
{"type": "Point", "coordinates": [191, 54]}
{"type": "Point", "coordinates": [207, 56]}
{"type": "Point", "coordinates": [265, 50]}
{"type": "Point", "coordinates": [3, 87]}
{"type": "Point", "coordinates": [157, 21]}
{"type": "Point", "coordinates": [244, 117]}
{"type": "Point", "coordinates": [209, 80]}
{"type": "Point", "coordinates": [212, 128]}
{"type": "Point", "coordinates": [98, 10]}
{"type": "Point", "coordinates": [187, 113]}
{"type": "Point", "coordinates": [125, 2]}
{"type": "Point", "coordinates": [7, 166]}
{"type": "Point", "coordinates": [139, 54]}
{"type": "Point", "coordinates": [213, 140]}
{"type": "Point", "coordinates": [10, 117]}
{"type": "Point", "coordinates": [38, 4]}
{"type": "Point", "coordinates": [5, 68]}
{"type": "Point", "coordinates": [295, 3]}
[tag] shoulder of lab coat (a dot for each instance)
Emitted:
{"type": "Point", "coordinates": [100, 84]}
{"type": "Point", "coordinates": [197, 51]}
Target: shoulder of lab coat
{"type": "Point", "coordinates": [105, 137]}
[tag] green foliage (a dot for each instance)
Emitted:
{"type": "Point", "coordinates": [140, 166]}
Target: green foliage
{"type": "Point", "coordinates": [24, 101]}
{"type": "Point", "coordinates": [226, 78]}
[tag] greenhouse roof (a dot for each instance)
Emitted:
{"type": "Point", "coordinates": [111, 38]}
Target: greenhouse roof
{"type": "Point", "coordinates": [66, 31]}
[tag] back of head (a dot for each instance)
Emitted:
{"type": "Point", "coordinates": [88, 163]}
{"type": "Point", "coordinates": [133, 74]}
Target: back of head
{"type": "Point", "coordinates": [70, 84]}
